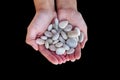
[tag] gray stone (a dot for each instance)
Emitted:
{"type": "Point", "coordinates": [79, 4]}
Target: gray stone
{"type": "Point", "coordinates": [48, 34]}
{"type": "Point", "coordinates": [60, 51]}
{"type": "Point", "coordinates": [40, 41]}
{"type": "Point", "coordinates": [63, 24]}
{"type": "Point", "coordinates": [71, 42]}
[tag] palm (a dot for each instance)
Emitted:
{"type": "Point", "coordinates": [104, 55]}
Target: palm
{"type": "Point", "coordinates": [75, 18]}
{"type": "Point", "coordinates": [37, 27]}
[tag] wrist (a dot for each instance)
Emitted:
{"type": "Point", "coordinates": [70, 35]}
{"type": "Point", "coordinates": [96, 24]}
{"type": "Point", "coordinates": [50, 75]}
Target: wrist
{"type": "Point", "coordinates": [67, 5]}
{"type": "Point", "coordinates": [44, 5]}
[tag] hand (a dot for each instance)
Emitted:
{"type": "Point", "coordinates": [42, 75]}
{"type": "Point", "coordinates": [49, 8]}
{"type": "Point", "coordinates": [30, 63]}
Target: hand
{"type": "Point", "coordinates": [36, 28]}
{"type": "Point", "coordinates": [75, 18]}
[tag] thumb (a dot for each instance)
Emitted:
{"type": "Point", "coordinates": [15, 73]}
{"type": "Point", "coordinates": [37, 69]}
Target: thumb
{"type": "Point", "coordinates": [31, 39]}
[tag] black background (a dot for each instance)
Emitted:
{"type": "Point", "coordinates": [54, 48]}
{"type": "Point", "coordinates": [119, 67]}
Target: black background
{"type": "Point", "coordinates": [18, 16]}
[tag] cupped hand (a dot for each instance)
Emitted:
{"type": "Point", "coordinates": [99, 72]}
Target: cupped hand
{"type": "Point", "coordinates": [75, 18]}
{"type": "Point", "coordinates": [36, 28]}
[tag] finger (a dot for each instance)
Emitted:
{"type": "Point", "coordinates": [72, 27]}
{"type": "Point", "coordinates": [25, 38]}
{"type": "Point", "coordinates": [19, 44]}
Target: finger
{"type": "Point", "coordinates": [83, 43]}
{"type": "Point", "coordinates": [48, 55]}
{"type": "Point", "coordinates": [67, 58]}
{"type": "Point", "coordinates": [60, 61]}
{"type": "Point", "coordinates": [63, 58]}
{"type": "Point", "coordinates": [78, 52]}
{"type": "Point", "coordinates": [32, 43]}
{"type": "Point", "coordinates": [71, 57]}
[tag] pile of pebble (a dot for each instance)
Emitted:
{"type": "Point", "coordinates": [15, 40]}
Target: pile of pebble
{"type": "Point", "coordinates": [61, 37]}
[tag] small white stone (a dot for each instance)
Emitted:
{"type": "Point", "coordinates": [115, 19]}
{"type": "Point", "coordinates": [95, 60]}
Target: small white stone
{"type": "Point", "coordinates": [61, 39]}
{"type": "Point", "coordinates": [40, 41]}
{"type": "Point", "coordinates": [72, 34]}
{"type": "Point", "coordinates": [48, 34]}
{"type": "Point", "coordinates": [70, 51]}
{"type": "Point", "coordinates": [71, 42]}
{"type": "Point", "coordinates": [52, 47]}
{"type": "Point", "coordinates": [56, 21]}
{"type": "Point", "coordinates": [53, 31]}
{"type": "Point", "coordinates": [55, 36]}
{"type": "Point", "coordinates": [46, 44]}
{"type": "Point", "coordinates": [60, 51]}
{"type": "Point", "coordinates": [64, 35]}
{"type": "Point", "coordinates": [59, 44]}
{"type": "Point", "coordinates": [68, 28]}
{"type": "Point", "coordinates": [55, 27]}
{"type": "Point", "coordinates": [77, 30]}
{"type": "Point", "coordinates": [56, 41]}
{"type": "Point", "coordinates": [50, 27]}
{"type": "Point", "coordinates": [81, 37]}
{"type": "Point", "coordinates": [66, 47]}
{"type": "Point", "coordinates": [44, 37]}
{"type": "Point", "coordinates": [50, 41]}
{"type": "Point", "coordinates": [63, 24]}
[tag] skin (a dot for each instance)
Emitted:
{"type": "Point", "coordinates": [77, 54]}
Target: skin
{"type": "Point", "coordinates": [45, 14]}
{"type": "Point", "coordinates": [69, 12]}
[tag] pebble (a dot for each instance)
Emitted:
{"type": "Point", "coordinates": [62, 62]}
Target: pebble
{"type": "Point", "coordinates": [55, 36]}
{"type": "Point", "coordinates": [50, 27]}
{"type": "Point", "coordinates": [50, 41]}
{"type": "Point", "coordinates": [68, 28]}
{"type": "Point", "coordinates": [59, 44]}
{"type": "Point", "coordinates": [48, 34]}
{"type": "Point", "coordinates": [61, 39]}
{"type": "Point", "coordinates": [60, 51]}
{"type": "Point", "coordinates": [40, 41]}
{"type": "Point", "coordinates": [56, 41]}
{"type": "Point", "coordinates": [81, 37]}
{"type": "Point", "coordinates": [52, 47]}
{"type": "Point", "coordinates": [64, 35]}
{"type": "Point", "coordinates": [71, 42]}
{"type": "Point", "coordinates": [66, 47]}
{"type": "Point", "coordinates": [63, 24]}
{"type": "Point", "coordinates": [46, 44]}
{"type": "Point", "coordinates": [55, 26]}
{"type": "Point", "coordinates": [70, 51]}
{"type": "Point", "coordinates": [77, 30]}
{"type": "Point", "coordinates": [53, 31]}
{"type": "Point", "coordinates": [72, 34]}
{"type": "Point", "coordinates": [56, 21]}
{"type": "Point", "coordinates": [44, 37]}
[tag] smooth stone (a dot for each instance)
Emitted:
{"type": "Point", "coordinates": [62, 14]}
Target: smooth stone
{"type": "Point", "coordinates": [66, 47]}
{"type": "Point", "coordinates": [40, 41]}
{"type": "Point", "coordinates": [72, 34]}
{"type": "Point", "coordinates": [63, 24]}
{"type": "Point", "coordinates": [56, 41]}
{"type": "Point", "coordinates": [64, 35]}
{"type": "Point", "coordinates": [50, 41]}
{"type": "Point", "coordinates": [68, 28]}
{"type": "Point", "coordinates": [61, 39]}
{"type": "Point", "coordinates": [46, 44]}
{"type": "Point", "coordinates": [55, 27]}
{"type": "Point", "coordinates": [52, 47]}
{"type": "Point", "coordinates": [81, 37]}
{"type": "Point", "coordinates": [60, 51]}
{"type": "Point", "coordinates": [70, 51]}
{"type": "Point", "coordinates": [44, 37]}
{"type": "Point", "coordinates": [59, 44]}
{"type": "Point", "coordinates": [48, 34]}
{"type": "Point", "coordinates": [77, 30]}
{"type": "Point", "coordinates": [71, 42]}
{"type": "Point", "coordinates": [50, 27]}
{"type": "Point", "coordinates": [56, 21]}
{"type": "Point", "coordinates": [55, 36]}
{"type": "Point", "coordinates": [53, 31]}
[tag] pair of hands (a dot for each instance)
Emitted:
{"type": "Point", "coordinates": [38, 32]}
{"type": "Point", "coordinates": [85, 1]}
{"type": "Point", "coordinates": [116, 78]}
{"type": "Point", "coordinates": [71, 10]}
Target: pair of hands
{"type": "Point", "coordinates": [39, 25]}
